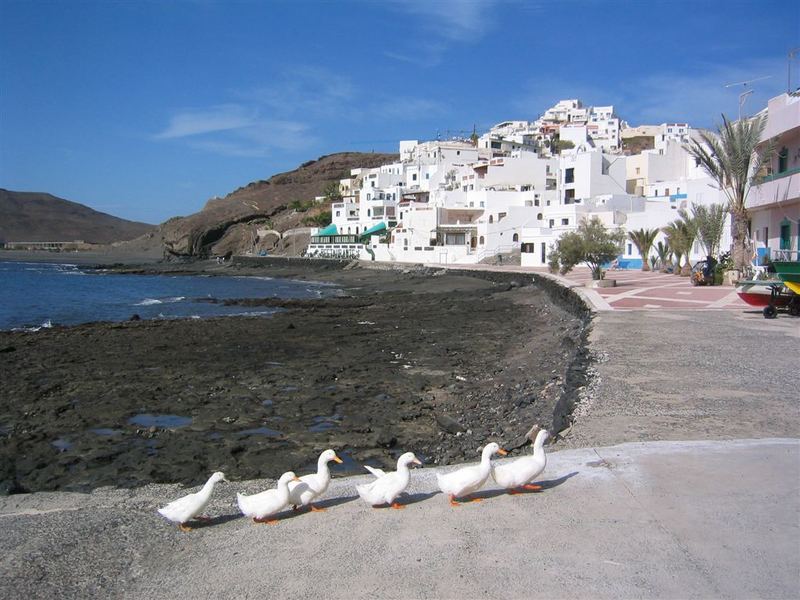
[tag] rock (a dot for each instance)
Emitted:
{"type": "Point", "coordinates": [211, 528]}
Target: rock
{"type": "Point", "coordinates": [448, 423]}
{"type": "Point", "coordinates": [386, 439]}
{"type": "Point", "coordinates": [135, 317]}
{"type": "Point", "coordinates": [229, 419]}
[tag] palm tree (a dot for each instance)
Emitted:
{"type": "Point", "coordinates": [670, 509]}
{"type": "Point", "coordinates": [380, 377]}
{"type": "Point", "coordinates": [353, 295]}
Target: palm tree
{"type": "Point", "coordinates": [664, 253]}
{"type": "Point", "coordinates": [675, 241]}
{"type": "Point", "coordinates": [643, 240]}
{"type": "Point", "coordinates": [710, 221]}
{"type": "Point", "coordinates": [731, 160]}
{"type": "Point", "coordinates": [680, 237]}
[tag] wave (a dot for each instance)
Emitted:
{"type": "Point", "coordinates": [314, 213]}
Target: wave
{"type": "Point", "coordinates": [47, 324]}
{"type": "Point", "coordinates": [151, 301]}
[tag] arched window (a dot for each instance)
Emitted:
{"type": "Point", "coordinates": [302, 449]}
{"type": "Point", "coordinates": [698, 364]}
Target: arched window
{"type": "Point", "coordinates": [539, 217]}
{"type": "Point", "coordinates": [516, 237]}
{"type": "Point", "coordinates": [491, 219]}
{"type": "Point", "coordinates": [480, 241]}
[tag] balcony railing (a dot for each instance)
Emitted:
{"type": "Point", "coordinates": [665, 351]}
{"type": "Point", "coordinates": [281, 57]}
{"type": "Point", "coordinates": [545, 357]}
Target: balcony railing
{"type": "Point", "coordinates": [774, 176]}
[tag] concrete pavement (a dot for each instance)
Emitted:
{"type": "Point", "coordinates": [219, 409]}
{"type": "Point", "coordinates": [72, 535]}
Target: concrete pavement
{"type": "Point", "coordinates": [659, 519]}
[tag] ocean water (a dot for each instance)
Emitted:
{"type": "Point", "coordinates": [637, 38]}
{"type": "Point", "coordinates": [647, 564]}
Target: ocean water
{"type": "Point", "coordinates": [34, 295]}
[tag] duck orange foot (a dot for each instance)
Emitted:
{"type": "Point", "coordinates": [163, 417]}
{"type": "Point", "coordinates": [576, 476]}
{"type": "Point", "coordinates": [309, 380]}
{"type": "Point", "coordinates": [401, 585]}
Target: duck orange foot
{"type": "Point", "coordinates": [265, 521]}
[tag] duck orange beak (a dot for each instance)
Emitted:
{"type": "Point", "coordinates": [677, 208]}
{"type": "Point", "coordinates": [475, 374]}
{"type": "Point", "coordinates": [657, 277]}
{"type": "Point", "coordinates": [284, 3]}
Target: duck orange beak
{"type": "Point", "coordinates": [337, 459]}
{"type": "Point", "coordinates": [417, 462]}
{"type": "Point", "coordinates": [502, 452]}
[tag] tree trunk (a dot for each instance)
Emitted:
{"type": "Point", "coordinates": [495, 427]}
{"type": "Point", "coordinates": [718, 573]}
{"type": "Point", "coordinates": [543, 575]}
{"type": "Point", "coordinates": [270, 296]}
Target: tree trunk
{"type": "Point", "coordinates": [741, 249]}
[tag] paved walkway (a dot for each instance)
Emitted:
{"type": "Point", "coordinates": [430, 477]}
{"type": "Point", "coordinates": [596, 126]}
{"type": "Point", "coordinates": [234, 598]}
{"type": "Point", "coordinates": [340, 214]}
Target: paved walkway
{"type": "Point", "coordinates": [656, 520]}
{"type": "Point", "coordinates": [637, 290]}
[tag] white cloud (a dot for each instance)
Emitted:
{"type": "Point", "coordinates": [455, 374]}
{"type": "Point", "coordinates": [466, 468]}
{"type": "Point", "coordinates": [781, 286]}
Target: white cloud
{"type": "Point", "coordinates": [407, 109]}
{"type": "Point", "coordinates": [454, 20]}
{"type": "Point", "coordinates": [442, 23]}
{"type": "Point", "coordinates": [190, 122]}
{"type": "Point", "coordinates": [698, 96]}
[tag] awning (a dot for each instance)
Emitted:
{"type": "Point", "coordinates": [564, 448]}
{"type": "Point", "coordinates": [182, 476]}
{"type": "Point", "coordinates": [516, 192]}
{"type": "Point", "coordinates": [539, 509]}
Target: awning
{"type": "Point", "coordinates": [373, 230]}
{"type": "Point", "coordinates": [329, 230]}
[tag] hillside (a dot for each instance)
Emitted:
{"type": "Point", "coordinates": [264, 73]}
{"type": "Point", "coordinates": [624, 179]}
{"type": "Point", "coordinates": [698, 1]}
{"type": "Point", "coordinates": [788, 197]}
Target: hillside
{"type": "Point", "coordinates": [229, 224]}
{"type": "Point", "coordinates": [38, 217]}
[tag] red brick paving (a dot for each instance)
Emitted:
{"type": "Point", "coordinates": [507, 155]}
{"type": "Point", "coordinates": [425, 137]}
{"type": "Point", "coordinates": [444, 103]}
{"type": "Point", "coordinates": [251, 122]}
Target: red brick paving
{"type": "Point", "coordinates": [645, 290]}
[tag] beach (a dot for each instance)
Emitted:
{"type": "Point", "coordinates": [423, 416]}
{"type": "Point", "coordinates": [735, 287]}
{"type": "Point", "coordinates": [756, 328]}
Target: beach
{"type": "Point", "coordinates": [407, 358]}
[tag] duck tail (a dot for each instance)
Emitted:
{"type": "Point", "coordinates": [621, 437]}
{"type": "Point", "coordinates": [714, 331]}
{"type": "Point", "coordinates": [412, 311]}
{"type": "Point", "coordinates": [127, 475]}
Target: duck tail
{"type": "Point", "coordinates": [242, 502]}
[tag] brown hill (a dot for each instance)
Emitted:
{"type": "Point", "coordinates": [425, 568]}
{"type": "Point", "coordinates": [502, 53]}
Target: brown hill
{"type": "Point", "coordinates": [38, 217]}
{"type": "Point", "coordinates": [229, 224]}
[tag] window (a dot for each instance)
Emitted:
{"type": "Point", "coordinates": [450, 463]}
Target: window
{"type": "Point", "coordinates": [630, 248]}
{"type": "Point", "coordinates": [427, 175]}
{"type": "Point", "coordinates": [496, 145]}
{"type": "Point", "coordinates": [666, 192]}
{"type": "Point", "coordinates": [480, 241]}
{"type": "Point", "coordinates": [455, 239]}
{"type": "Point", "coordinates": [569, 176]}
{"type": "Point", "coordinates": [338, 213]}
{"type": "Point", "coordinates": [552, 222]}
{"type": "Point", "coordinates": [569, 196]}
{"type": "Point", "coordinates": [638, 170]}
{"type": "Point", "coordinates": [783, 160]}
{"type": "Point", "coordinates": [565, 221]}
{"type": "Point", "coordinates": [500, 216]}
{"type": "Point", "coordinates": [539, 217]}
{"type": "Point", "coordinates": [786, 235]}
{"type": "Point", "coordinates": [515, 238]}
{"type": "Point", "coordinates": [458, 152]}
{"type": "Point", "coordinates": [413, 177]}
{"type": "Point", "coordinates": [491, 219]}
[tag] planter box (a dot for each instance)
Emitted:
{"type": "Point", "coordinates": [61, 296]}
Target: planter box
{"type": "Point", "coordinates": [731, 277]}
{"type": "Point", "coordinates": [604, 283]}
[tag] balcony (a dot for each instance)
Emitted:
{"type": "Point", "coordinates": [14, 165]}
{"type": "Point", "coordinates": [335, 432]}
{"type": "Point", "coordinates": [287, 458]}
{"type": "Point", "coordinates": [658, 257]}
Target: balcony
{"type": "Point", "coordinates": [779, 187]}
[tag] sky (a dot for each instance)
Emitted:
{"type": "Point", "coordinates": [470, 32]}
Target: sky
{"type": "Point", "coordinates": [145, 109]}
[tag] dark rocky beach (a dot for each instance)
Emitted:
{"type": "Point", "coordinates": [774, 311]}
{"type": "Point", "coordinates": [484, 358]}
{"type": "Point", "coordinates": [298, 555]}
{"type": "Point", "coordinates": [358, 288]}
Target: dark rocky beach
{"type": "Point", "coordinates": [407, 358]}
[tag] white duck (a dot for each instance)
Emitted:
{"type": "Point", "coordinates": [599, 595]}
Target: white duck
{"type": "Point", "coordinates": [525, 469]}
{"type": "Point", "coordinates": [469, 479]}
{"type": "Point", "coordinates": [312, 486]}
{"type": "Point", "coordinates": [184, 509]}
{"type": "Point", "coordinates": [388, 486]}
{"type": "Point", "coordinates": [265, 504]}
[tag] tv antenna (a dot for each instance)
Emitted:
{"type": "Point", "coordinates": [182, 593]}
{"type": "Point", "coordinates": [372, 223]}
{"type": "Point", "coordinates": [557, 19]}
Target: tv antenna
{"type": "Point", "coordinates": [792, 55]}
{"type": "Point", "coordinates": [743, 96]}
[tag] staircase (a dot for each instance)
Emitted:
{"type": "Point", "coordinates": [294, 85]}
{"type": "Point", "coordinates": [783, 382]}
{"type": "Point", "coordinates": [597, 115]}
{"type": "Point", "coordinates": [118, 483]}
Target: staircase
{"type": "Point", "coordinates": [505, 256]}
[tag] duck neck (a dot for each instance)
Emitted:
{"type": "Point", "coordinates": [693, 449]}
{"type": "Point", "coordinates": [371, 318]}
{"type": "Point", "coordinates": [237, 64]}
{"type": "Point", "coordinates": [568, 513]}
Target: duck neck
{"type": "Point", "coordinates": [283, 489]}
{"type": "Point", "coordinates": [486, 463]}
{"type": "Point", "coordinates": [538, 446]}
{"type": "Point", "coordinates": [323, 471]}
{"type": "Point", "coordinates": [404, 473]}
{"type": "Point", "coordinates": [208, 487]}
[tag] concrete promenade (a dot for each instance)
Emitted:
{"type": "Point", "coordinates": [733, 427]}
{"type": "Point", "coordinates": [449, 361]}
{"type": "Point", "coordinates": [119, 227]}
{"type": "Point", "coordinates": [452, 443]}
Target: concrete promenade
{"type": "Point", "coordinates": [679, 479]}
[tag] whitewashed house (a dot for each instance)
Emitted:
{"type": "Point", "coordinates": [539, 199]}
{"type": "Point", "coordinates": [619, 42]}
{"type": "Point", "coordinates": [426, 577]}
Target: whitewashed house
{"type": "Point", "coordinates": [774, 202]}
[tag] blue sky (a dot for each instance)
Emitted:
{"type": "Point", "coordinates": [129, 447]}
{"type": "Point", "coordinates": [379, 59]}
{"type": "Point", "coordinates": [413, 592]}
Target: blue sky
{"type": "Point", "coordinates": [146, 109]}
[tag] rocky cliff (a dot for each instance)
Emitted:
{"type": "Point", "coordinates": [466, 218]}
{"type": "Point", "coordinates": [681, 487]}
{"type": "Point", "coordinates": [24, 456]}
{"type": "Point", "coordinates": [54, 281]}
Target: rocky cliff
{"type": "Point", "coordinates": [231, 224]}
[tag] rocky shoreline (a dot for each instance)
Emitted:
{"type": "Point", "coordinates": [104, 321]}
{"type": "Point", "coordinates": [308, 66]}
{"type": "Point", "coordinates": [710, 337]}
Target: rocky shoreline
{"type": "Point", "coordinates": [415, 358]}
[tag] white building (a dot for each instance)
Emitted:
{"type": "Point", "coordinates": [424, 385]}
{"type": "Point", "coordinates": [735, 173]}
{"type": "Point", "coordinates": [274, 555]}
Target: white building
{"type": "Point", "coordinates": [774, 203]}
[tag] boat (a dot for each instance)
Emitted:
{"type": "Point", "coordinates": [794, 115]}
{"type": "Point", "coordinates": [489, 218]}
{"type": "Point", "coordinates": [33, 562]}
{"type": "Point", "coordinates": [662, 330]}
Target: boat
{"type": "Point", "coordinates": [789, 272]}
{"type": "Point", "coordinates": [764, 292]}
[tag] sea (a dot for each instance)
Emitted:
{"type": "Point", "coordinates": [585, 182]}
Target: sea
{"type": "Point", "coordinates": [43, 295]}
